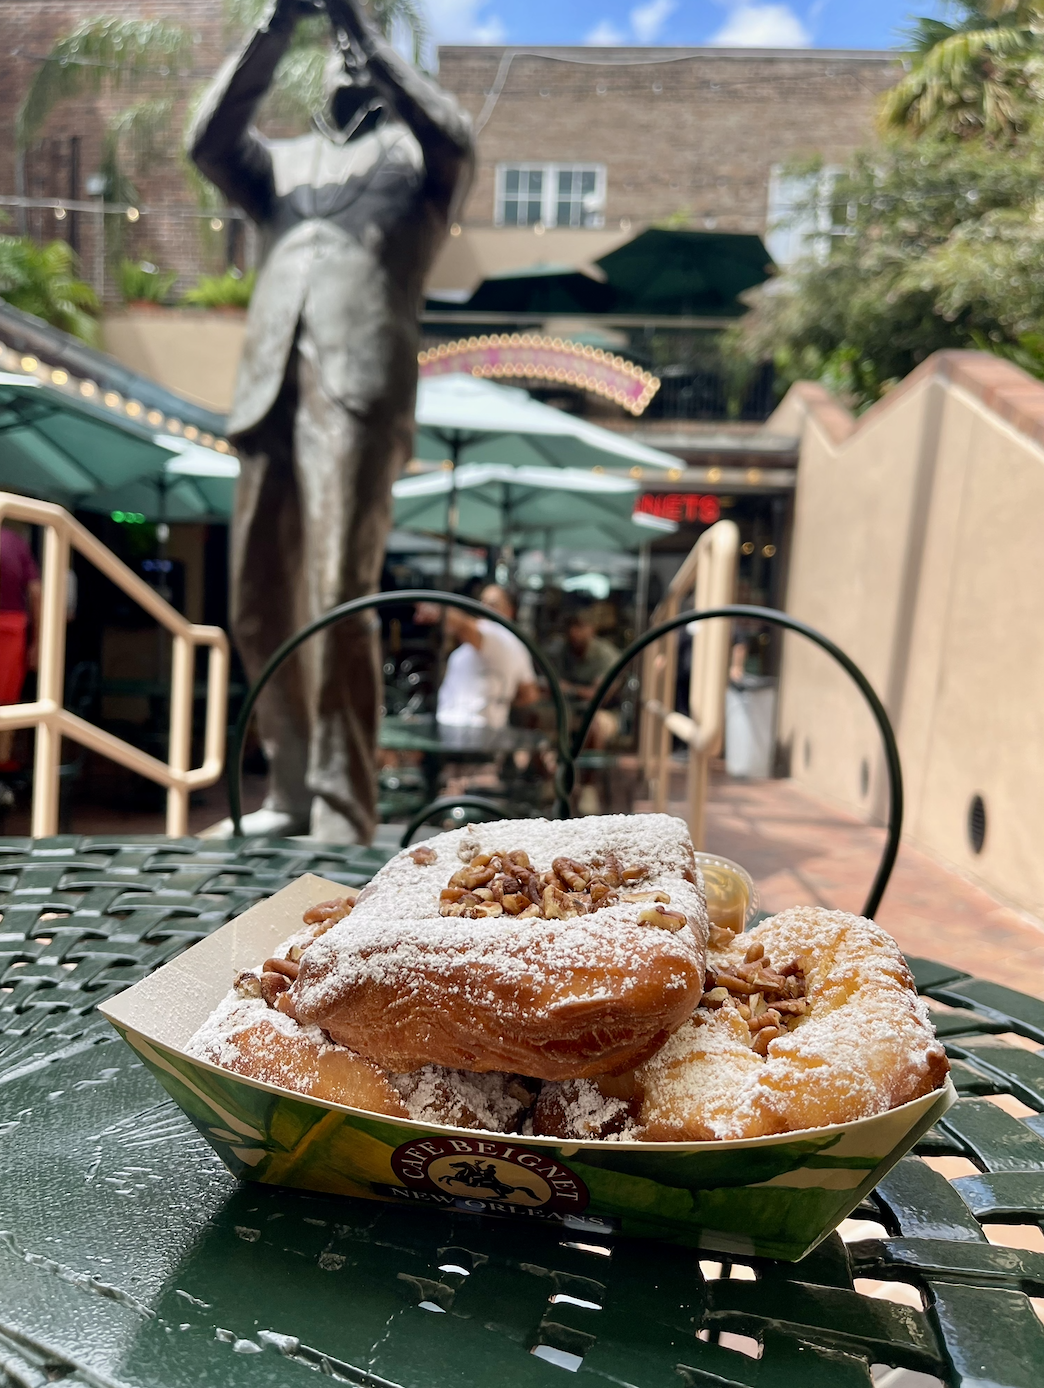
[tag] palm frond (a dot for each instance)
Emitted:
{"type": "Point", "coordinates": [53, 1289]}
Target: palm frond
{"type": "Point", "coordinates": [43, 280]}
{"type": "Point", "coordinates": [968, 79]}
{"type": "Point", "coordinates": [104, 53]}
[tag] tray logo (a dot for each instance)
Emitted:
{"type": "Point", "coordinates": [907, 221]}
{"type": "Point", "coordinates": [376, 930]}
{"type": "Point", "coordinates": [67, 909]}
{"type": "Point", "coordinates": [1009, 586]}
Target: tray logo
{"type": "Point", "coordinates": [469, 1172]}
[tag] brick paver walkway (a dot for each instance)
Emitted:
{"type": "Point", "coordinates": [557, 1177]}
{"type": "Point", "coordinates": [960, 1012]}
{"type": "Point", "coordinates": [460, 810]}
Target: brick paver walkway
{"type": "Point", "coordinates": [801, 851]}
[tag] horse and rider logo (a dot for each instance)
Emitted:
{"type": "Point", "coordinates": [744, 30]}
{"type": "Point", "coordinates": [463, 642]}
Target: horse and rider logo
{"type": "Point", "coordinates": [476, 1170]}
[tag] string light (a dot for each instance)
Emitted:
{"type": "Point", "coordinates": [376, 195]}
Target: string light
{"type": "Point", "coordinates": [113, 400]}
{"type": "Point", "coordinates": [132, 214]}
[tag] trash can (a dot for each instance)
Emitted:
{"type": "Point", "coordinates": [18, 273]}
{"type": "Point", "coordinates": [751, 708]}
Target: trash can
{"type": "Point", "coordinates": [750, 726]}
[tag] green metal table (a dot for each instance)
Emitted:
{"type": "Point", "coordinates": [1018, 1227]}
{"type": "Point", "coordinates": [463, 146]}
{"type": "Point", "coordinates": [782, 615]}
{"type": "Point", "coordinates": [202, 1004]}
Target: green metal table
{"type": "Point", "coordinates": [129, 1256]}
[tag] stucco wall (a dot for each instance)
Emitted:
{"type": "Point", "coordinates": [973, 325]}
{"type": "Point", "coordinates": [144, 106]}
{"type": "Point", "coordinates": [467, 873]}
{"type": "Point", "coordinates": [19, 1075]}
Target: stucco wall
{"type": "Point", "coordinates": [917, 548]}
{"type": "Point", "coordinates": [192, 352]}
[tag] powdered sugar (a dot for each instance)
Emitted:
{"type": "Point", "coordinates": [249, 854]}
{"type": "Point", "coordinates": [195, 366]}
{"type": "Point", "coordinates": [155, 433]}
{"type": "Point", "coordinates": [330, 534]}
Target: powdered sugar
{"type": "Point", "coordinates": [865, 1044]}
{"type": "Point", "coordinates": [492, 1103]}
{"type": "Point", "coordinates": [216, 1038]}
{"type": "Point", "coordinates": [396, 932]}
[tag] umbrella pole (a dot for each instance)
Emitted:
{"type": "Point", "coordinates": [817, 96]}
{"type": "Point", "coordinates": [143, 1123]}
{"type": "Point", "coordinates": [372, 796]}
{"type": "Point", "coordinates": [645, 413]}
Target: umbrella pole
{"type": "Point", "coordinates": [452, 515]}
{"type": "Point", "coordinates": [641, 597]}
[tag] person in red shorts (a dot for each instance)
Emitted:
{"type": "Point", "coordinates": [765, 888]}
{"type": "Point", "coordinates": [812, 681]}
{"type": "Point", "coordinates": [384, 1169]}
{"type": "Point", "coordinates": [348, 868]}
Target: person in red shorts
{"type": "Point", "coordinates": [19, 623]}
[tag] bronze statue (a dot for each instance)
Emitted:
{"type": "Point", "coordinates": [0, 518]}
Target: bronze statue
{"type": "Point", "coordinates": [351, 217]}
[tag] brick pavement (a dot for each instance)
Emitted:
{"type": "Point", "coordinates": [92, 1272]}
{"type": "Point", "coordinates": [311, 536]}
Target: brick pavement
{"type": "Point", "coordinates": [801, 851]}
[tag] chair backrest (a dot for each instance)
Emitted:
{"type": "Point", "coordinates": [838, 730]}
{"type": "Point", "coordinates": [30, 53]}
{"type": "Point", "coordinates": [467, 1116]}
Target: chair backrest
{"type": "Point", "coordinates": [53, 721]}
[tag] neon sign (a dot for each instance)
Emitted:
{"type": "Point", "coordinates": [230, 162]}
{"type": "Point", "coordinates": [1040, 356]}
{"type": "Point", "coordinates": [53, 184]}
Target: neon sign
{"type": "Point", "coordinates": [687, 507]}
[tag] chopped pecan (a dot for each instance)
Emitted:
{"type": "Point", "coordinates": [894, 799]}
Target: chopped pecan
{"type": "Point", "coordinates": [483, 908]}
{"type": "Point", "coordinates": [764, 1038]}
{"type": "Point", "coordinates": [272, 984]}
{"type": "Point", "coordinates": [328, 912]}
{"type": "Point", "coordinates": [571, 873]}
{"type": "Point", "coordinates": [558, 904]}
{"type": "Point", "coordinates": [515, 903]}
{"type": "Point", "coordinates": [657, 895]}
{"type": "Point", "coordinates": [771, 1018]}
{"type": "Point", "coordinates": [756, 952]}
{"type": "Point", "coordinates": [662, 919]}
{"type": "Point", "coordinates": [734, 985]}
{"type": "Point", "coordinates": [282, 966]}
{"type": "Point", "coordinates": [247, 984]}
{"type": "Point", "coordinates": [424, 856]}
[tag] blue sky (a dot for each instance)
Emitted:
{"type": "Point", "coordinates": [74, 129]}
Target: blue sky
{"type": "Point", "coordinates": [739, 23]}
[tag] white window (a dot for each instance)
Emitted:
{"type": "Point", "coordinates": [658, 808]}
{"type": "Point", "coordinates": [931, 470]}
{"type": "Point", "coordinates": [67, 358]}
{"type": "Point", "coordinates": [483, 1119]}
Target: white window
{"type": "Point", "coordinates": [555, 195]}
{"type": "Point", "coordinates": [800, 214]}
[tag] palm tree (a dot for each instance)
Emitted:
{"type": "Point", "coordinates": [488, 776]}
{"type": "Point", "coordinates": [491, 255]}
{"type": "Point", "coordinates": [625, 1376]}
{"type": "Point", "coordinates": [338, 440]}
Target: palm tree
{"type": "Point", "coordinates": [43, 280]}
{"type": "Point", "coordinates": [112, 54]}
{"type": "Point", "coordinates": [108, 54]}
{"type": "Point", "coordinates": [973, 75]}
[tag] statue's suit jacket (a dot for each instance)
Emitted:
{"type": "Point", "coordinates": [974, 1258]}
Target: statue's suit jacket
{"type": "Point", "coordinates": [349, 231]}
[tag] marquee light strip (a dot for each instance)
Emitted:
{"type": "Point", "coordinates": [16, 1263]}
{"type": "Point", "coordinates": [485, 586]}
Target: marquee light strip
{"type": "Point", "coordinates": [11, 360]}
{"type": "Point", "coordinates": [530, 357]}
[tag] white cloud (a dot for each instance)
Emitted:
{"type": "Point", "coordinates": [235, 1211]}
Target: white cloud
{"type": "Point", "coordinates": [762, 26]}
{"type": "Point", "coordinates": [605, 34]}
{"type": "Point", "coordinates": [648, 20]}
{"type": "Point", "coordinates": [464, 21]}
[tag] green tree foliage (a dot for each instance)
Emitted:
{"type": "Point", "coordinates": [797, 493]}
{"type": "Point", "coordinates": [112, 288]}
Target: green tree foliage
{"type": "Point", "coordinates": [141, 282]}
{"type": "Point", "coordinates": [976, 74]}
{"type": "Point", "coordinates": [106, 54]}
{"type": "Point", "coordinates": [43, 280]}
{"type": "Point", "coordinates": [936, 243]}
{"type": "Point", "coordinates": [230, 290]}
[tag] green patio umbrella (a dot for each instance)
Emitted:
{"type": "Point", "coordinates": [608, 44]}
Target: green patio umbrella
{"type": "Point", "coordinates": [685, 272]}
{"type": "Point", "coordinates": [61, 448]}
{"type": "Point", "coordinates": [498, 504]}
{"type": "Point", "coordinates": [462, 418]}
{"type": "Point", "coordinates": [540, 288]}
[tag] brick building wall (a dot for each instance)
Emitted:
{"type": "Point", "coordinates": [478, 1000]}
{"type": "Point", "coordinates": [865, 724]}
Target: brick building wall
{"type": "Point", "coordinates": [70, 144]}
{"type": "Point", "coordinates": [690, 131]}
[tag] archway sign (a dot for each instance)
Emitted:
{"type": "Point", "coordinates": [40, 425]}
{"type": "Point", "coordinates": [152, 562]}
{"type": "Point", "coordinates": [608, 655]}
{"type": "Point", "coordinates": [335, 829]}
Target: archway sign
{"type": "Point", "coordinates": [531, 357]}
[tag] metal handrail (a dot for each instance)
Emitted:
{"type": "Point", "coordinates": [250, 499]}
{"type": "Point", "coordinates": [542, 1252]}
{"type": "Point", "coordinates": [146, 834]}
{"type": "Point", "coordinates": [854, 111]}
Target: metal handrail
{"type": "Point", "coordinates": [565, 773]}
{"type": "Point", "coordinates": [53, 722]}
{"type": "Point", "coordinates": [707, 577]}
{"type": "Point", "coordinates": [569, 749]}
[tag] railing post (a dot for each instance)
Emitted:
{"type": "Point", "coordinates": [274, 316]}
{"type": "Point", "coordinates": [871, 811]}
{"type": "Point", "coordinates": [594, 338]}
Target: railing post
{"type": "Point", "coordinates": [179, 749]}
{"type": "Point", "coordinates": [668, 678]}
{"type": "Point", "coordinates": [49, 681]}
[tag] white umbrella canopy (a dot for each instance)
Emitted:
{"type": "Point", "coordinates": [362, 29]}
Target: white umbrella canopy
{"type": "Point", "coordinates": [463, 418]}
{"type": "Point", "coordinates": [498, 504]}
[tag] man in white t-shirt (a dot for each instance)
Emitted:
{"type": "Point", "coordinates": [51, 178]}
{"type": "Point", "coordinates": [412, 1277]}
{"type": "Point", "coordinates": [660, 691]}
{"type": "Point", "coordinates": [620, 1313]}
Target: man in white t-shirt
{"type": "Point", "coordinates": [490, 669]}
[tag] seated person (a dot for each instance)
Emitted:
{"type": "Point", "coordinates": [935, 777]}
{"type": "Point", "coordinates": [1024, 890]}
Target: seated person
{"type": "Point", "coordinates": [489, 670]}
{"type": "Point", "coordinates": [581, 658]}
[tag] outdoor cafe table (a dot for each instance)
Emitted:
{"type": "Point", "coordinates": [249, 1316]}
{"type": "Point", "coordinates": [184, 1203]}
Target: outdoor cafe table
{"type": "Point", "coordinates": [129, 1256]}
{"type": "Point", "coordinates": [442, 742]}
